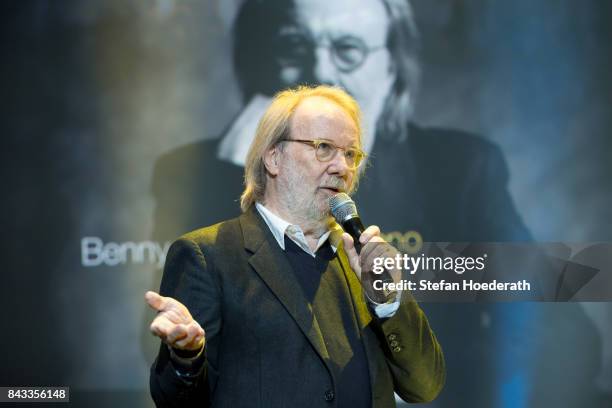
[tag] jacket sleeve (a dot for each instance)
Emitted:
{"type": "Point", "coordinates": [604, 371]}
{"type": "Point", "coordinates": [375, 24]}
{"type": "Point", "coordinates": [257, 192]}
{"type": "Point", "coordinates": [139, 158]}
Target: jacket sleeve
{"type": "Point", "coordinates": [413, 353]}
{"type": "Point", "coordinates": [189, 279]}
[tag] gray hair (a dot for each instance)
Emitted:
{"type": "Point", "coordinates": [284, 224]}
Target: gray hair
{"type": "Point", "coordinates": [403, 44]}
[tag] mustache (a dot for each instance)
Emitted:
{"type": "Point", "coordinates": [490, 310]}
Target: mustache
{"type": "Point", "coordinates": [336, 184]}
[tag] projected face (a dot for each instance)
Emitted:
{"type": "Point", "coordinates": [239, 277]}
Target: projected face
{"type": "Point", "coordinates": [340, 42]}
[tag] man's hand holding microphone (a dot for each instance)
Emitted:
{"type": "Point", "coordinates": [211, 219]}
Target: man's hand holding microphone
{"type": "Point", "coordinates": [363, 246]}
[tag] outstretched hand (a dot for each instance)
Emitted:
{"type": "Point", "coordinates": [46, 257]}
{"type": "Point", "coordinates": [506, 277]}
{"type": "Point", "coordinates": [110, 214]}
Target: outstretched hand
{"type": "Point", "coordinates": [174, 324]}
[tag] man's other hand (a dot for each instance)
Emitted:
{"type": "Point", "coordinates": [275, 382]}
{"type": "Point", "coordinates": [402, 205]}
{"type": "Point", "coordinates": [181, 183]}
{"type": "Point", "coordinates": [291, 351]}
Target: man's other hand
{"type": "Point", "coordinates": [174, 324]}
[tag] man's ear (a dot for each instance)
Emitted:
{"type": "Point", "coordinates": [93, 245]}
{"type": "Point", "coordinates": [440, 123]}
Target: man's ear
{"type": "Point", "coordinates": [271, 160]}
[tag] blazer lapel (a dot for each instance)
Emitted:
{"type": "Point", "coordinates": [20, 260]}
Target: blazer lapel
{"type": "Point", "coordinates": [270, 263]}
{"type": "Point", "coordinates": [361, 309]}
{"type": "Point", "coordinates": [364, 318]}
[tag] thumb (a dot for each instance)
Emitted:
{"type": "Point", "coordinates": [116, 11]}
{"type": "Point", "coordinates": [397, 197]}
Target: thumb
{"type": "Point", "coordinates": [155, 301]}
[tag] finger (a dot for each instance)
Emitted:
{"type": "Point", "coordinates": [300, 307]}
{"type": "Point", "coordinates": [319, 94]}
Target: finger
{"type": "Point", "coordinates": [186, 343]}
{"type": "Point", "coordinates": [349, 246]}
{"type": "Point", "coordinates": [154, 300]}
{"type": "Point", "coordinates": [161, 326]}
{"type": "Point", "coordinates": [375, 250]}
{"type": "Point", "coordinates": [382, 250]}
{"type": "Point", "coordinates": [178, 332]}
{"type": "Point", "coordinates": [157, 329]}
{"type": "Point", "coordinates": [194, 335]}
{"type": "Point", "coordinates": [193, 344]}
{"type": "Point", "coordinates": [179, 313]}
{"type": "Point", "coordinates": [163, 303]}
{"type": "Point", "coordinates": [194, 329]}
{"type": "Point", "coordinates": [375, 244]}
{"type": "Point", "coordinates": [351, 253]}
{"type": "Point", "coordinates": [371, 231]}
{"type": "Point", "coordinates": [197, 343]}
{"type": "Point", "coordinates": [194, 338]}
{"type": "Point", "coordinates": [348, 242]}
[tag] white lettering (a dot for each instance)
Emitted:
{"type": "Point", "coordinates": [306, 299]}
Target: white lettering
{"type": "Point", "coordinates": [94, 252]}
{"type": "Point", "coordinates": [378, 267]}
{"type": "Point", "coordinates": [91, 249]}
{"type": "Point", "coordinates": [494, 285]}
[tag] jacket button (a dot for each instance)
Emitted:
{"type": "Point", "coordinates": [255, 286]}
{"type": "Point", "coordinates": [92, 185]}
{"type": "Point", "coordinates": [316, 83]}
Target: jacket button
{"type": "Point", "coordinates": [394, 344]}
{"type": "Point", "coordinates": [392, 336]}
{"type": "Point", "coordinates": [397, 349]}
{"type": "Point", "coordinates": [329, 395]}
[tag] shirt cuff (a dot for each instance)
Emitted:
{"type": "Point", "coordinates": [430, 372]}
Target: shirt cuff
{"type": "Point", "coordinates": [186, 366]}
{"type": "Point", "coordinates": [386, 310]}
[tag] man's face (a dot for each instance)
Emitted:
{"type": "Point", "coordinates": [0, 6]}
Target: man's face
{"type": "Point", "coordinates": [340, 42]}
{"type": "Point", "coordinates": [305, 183]}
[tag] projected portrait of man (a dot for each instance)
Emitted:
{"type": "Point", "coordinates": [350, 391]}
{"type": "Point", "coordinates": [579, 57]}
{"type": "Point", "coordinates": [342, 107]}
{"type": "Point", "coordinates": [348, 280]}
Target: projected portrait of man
{"type": "Point", "coordinates": [446, 185]}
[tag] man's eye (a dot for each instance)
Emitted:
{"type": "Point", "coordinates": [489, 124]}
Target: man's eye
{"type": "Point", "coordinates": [325, 147]}
{"type": "Point", "coordinates": [349, 50]}
{"type": "Point", "coordinates": [292, 49]}
{"type": "Point", "coordinates": [350, 154]}
{"type": "Point", "coordinates": [349, 54]}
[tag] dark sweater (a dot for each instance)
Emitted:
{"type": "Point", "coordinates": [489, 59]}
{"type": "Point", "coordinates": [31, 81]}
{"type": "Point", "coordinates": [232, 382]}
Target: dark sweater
{"type": "Point", "coordinates": [327, 291]}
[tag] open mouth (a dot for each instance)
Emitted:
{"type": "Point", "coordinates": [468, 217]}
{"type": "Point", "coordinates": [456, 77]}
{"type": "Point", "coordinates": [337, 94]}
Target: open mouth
{"type": "Point", "coordinates": [333, 190]}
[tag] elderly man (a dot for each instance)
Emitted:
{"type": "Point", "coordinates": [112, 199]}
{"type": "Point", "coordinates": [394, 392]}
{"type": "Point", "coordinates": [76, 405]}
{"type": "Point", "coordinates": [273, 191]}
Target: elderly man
{"type": "Point", "coordinates": [279, 315]}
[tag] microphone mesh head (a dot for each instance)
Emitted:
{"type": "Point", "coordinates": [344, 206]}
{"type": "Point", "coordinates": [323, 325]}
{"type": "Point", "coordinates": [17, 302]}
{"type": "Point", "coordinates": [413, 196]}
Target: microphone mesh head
{"type": "Point", "coordinates": [342, 207]}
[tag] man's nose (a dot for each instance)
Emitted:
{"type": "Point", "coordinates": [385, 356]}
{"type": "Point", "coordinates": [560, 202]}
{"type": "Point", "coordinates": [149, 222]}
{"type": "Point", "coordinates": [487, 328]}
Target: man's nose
{"type": "Point", "coordinates": [325, 71]}
{"type": "Point", "coordinates": [339, 164]}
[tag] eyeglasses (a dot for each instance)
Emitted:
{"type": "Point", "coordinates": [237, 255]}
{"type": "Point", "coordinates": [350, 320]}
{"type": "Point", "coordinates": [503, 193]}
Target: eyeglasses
{"type": "Point", "coordinates": [326, 150]}
{"type": "Point", "coordinates": [347, 52]}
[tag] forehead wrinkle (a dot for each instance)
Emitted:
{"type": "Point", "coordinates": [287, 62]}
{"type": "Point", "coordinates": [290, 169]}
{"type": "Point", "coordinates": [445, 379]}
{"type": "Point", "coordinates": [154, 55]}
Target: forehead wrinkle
{"type": "Point", "coordinates": [335, 19]}
{"type": "Point", "coordinates": [318, 115]}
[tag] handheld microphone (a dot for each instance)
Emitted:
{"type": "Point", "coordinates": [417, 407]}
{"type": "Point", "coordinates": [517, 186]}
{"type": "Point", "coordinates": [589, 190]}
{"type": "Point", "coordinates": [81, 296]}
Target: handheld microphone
{"type": "Point", "coordinates": [345, 212]}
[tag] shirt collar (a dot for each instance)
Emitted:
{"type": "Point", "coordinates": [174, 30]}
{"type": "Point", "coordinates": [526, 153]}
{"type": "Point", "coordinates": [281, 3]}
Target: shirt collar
{"type": "Point", "coordinates": [280, 228]}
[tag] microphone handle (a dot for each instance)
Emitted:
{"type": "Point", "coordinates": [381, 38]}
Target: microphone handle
{"type": "Point", "coordinates": [354, 228]}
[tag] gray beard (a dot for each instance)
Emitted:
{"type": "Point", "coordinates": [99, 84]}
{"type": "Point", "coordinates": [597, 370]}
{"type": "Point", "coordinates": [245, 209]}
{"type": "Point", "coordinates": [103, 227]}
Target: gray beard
{"type": "Point", "coordinates": [305, 208]}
